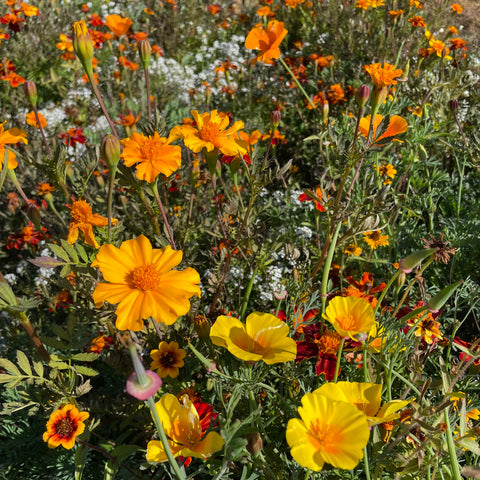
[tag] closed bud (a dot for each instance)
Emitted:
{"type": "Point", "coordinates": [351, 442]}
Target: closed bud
{"type": "Point", "coordinates": [325, 110]}
{"type": "Point", "coordinates": [453, 105]}
{"type": "Point", "coordinates": [275, 118]}
{"type": "Point", "coordinates": [441, 298]}
{"type": "Point", "coordinates": [145, 51]}
{"type": "Point", "coordinates": [254, 443]}
{"type": "Point", "coordinates": [110, 151]}
{"type": "Point", "coordinates": [379, 95]}
{"type": "Point", "coordinates": [83, 46]}
{"type": "Point", "coordinates": [414, 259]}
{"type": "Point", "coordinates": [362, 95]}
{"type": "Point", "coordinates": [33, 213]}
{"type": "Point", "coordinates": [202, 326]}
{"type": "Point", "coordinates": [31, 92]}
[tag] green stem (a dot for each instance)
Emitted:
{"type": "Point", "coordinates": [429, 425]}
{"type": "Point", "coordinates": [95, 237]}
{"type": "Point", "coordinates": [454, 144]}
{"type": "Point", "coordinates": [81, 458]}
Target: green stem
{"type": "Point", "coordinates": [111, 183]}
{"type": "Point", "coordinates": [162, 211]}
{"type": "Point", "coordinates": [339, 358]}
{"type": "Point", "coordinates": [163, 438]}
{"type": "Point", "coordinates": [147, 88]}
{"type": "Point", "coordinates": [37, 118]}
{"type": "Point", "coordinates": [93, 84]}
{"type": "Point", "coordinates": [384, 292]}
{"type": "Point", "coordinates": [366, 463]}
{"type": "Point", "coordinates": [328, 263]}
{"type": "Point", "coordinates": [451, 448]}
{"type": "Point", "coordinates": [243, 308]}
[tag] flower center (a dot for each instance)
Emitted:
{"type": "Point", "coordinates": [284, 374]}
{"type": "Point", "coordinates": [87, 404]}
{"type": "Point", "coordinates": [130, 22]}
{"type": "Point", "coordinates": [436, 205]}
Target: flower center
{"type": "Point", "coordinates": [64, 427]}
{"type": "Point", "coordinates": [81, 211]}
{"type": "Point", "coordinates": [209, 132]}
{"type": "Point", "coordinates": [168, 359]}
{"type": "Point", "coordinates": [145, 277]}
{"type": "Point", "coordinates": [329, 342]}
{"type": "Point", "coordinates": [325, 437]}
{"type": "Point", "coordinates": [150, 147]}
{"type": "Point", "coordinates": [375, 236]}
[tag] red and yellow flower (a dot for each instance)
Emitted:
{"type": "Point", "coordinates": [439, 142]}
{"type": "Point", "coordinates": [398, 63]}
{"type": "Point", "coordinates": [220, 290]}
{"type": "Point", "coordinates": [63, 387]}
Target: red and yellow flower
{"type": "Point", "coordinates": [168, 359]}
{"type": "Point", "coordinates": [64, 425]}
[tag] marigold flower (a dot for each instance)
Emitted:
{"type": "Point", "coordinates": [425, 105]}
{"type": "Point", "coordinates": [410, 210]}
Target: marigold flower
{"type": "Point", "coordinates": [353, 250]}
{"type": "Point", "coordinates": [212, 131]}
{"type": "Point", "coordinates": [45, 188]}
{"type": "Point", "coordinates": [142, 282]}
{"type": "Point", "coordinates": [329, 431]}
{"type": "Point", "coordinates": [350, 316]}
{"type": "Point", "coordinates": [83, 220]}
{"type": "Point", "coordinates": [10, 137]}
{"type": "Point", "coordinates": [168, 359]}
{"type": "Point", "coordinates": [266, 40]}
{"type": "Point", "coordinates": [118, 25]}
{"type": "Point", "coordinates": [386, 171]}
{"type": "Point", "coordinates": [262, 337]}
{"type": "Point", "coordinates": [367, 397]}
{"type": "Point", "coordinates": [417, 21]}
{"type": "Point", "coordinates": [64, 425]}
{"type": "Point", "coordinates": [383, 76]}
{"type": "Point", "coordinates": [395, 13]}
{"type": "Point", "coordinates": [83, 46]}
{"type": "Point", "coordinates": [181, 422]}
{"type": "Point", "coordinates": [396, 126]}
{"type": "Point", "coordinates": [316, 197]}
{"type": "Point", "coordinates": [293, 3]}
{"type": "Point", "coordinates": [457, 8]}
{"type": "Point", "coordinates": [32, 121]}
{"type": "Point", "coordinates": [427, 327]}
{"type": "Point", "coordinates": [153, 155]}
{"type": "Point", "coordinates": [375, 239]}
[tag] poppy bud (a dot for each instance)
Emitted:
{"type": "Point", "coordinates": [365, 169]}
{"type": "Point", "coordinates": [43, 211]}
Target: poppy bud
{"type": "Point", "coordinates": [83, 46]}
{"type": "Point", "coordinates": [145, 51]}
{"type": "Point", "coordinates": [141, 384]}
{"type": "Point", "coordinates": [379, 95]}
{"type": "Point", "coordinates": [325, 110]}
{"type": "Point", "coordinates": [362, 95]}
{"type": "Point", "coordinates": [110, 150]}
{"type": "Point", "coordinates": [31, 92]}
{"type": "Point", "coordinates": [414, 259]}
{"type": "Point", "coordinates": [275, 118]}
{"type": "Point", "coordinates": [453, 105]}
{"type": "Point", "coordinates": [441, 298]}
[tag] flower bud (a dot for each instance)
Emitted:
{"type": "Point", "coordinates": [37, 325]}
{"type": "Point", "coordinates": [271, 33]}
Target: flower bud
{"type": "Point", "coordinates": [379, 95]}
{"type": "Point", "coordinates": [325, 110]}
{"type": "Point", "coordinates": [414, 259]}
{"type": "Point", "coordinates": [83, 46]}
{"type": "Point", "coordinates": [31, 92]}
{"type": "Point", "coordinates": [362, 95]}
{"type": "Point", "coordinates": [110, 151]}
{"type": "Point", "coordinates": [453, 105]}
{"type": "Point", "coordinates": [141, 384]}
{"type": "Point", "coordinates": [145, 51]}
{"type": "Point", "coordinates": [275, 118]}
{"type": "Point", "coordinates": [33, 214]}
{"type": "Point", "coordinates": [254, 443]}
{"type": "Point", "coordinates": [441, 298]}
{"type": "Point", "coordinates": [202, 326]}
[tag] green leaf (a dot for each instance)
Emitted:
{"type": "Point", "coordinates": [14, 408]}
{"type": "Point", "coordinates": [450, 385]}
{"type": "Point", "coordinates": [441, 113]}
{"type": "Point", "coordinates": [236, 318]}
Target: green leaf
{"type": "Point", "coordinates": [89, 372]}
{"type": "Point", "coordinates": [82, 252]}
{"type": "Point", "coordinates": [38, 367]}
{"type": "Point", "coordinates": [65, 271]}
{"type": "Point", "coordinates": [23, 363]}
{"type": "Point", "coordinates": [5, 377]}
{"type": "Point", "coordinates": [121, 452]}
{"type": "Point", "coordinates": [86, 357]}
{"type": "Point", "coordinates": [59, 252]}
{"type": "Point", "coordinates": [54, 343]}
{"type": "Point", "coordinates": [59, 331]}
{"type": "Point", "coordinates": [14, 382]}
{"type": "Point", "coordinates": [70, 250]}
{"type": "Point", "coordinates": [471, 445]}
{"type": "Point", "coordinates": [9, 367]}
{"type": "Point", "coordinates": [80, 459]}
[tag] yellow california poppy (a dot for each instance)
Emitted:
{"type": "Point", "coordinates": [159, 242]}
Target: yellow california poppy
{"type": "Point", "coordinates": [10, 137]}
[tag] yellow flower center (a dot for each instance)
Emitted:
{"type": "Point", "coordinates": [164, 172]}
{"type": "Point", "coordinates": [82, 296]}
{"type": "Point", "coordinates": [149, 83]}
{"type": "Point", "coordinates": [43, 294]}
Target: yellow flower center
{"type": "Point", "coordinates": [325, 437]}
{"type": "Point", "coordinates": [209, 132]}
{"type": "Point", "coordinates": [150, 147]}
{"type": "Point", "coordinates": [81, 211]}
{"type": "Point", "coordinates": [145, 277]}
{"type": "Point", "coordinates": [64, 427]}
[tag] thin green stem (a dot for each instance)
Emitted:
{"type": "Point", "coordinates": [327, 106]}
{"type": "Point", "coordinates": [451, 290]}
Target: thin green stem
{"type": "Point", "coordinates": [37, 117]}
{"type": "Point", "coordinates": [366, 463]}
{"type": "Point", "coordinates": [339, 358]}
{"type": "Point", "coordinates": [93, 84]}
{"type": "Point", "coordinates": [162, 211]}
{"type": "Point", "coordinates": [246, 297]}
{"type": "Point", "coordinates": [147, 88]}
{"type": "Point", "coordinates": [328, 263]}
{"type": "Point", "coordinates": [384, 292]}
{"type": "Point", "coordinates": [111, 183]}
{"type": "Point", "coordinates": [451, 448]}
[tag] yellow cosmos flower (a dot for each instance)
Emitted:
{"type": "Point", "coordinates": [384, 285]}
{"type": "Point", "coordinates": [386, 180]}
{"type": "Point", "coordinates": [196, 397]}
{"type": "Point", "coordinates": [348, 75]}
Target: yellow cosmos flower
{"type": "Point", "coordinates": [212, 131]}
{"type": "Point", "coordinates": [396, 126]}
{"type": "Point", "coordinates": [367, 397]}
{"type": "Point", "coordinates": [329, 431]}
{"type": "Point", "coordinates": [263, 337]}
{"type": "Point", "coordinates": [350, 316]}
{"type": "Point", "coordinates": [63, 426]}
{"type": "Point", "coordinates": [153, 154]}
{"type": "Point", "coordinates": [181, 423]}
{"type": "Point", "coordinates": [353, 249]}
{"type": "Point", "coordinates": [142, 282]}
{"type": "Point", "coordinates": [383, 76]}
{"type": "Point", "coordinates": [83, 220]}
{"type": "Point", "coordinates": [375, 239]}
{"type": "Point", "coordinates": [168, 359]}
{"type": "Point", "coordinates": [10, 137]}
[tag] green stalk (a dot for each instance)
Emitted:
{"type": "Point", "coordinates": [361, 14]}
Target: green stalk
{"type": "Point", "coordinates": [339, 357]}
{"type": "Point", "coordinates": [328, 263]}
{"type": "Point", "coordinates": [384, 292]}
{"type": "Point", "coordinates": [451, 448]}
{"type": "Point", "coordinates": [111, 183]}
{"type": "Point", "coordinates": [243, 308]}
{"type": "Point", "coordinates": [162, 211]}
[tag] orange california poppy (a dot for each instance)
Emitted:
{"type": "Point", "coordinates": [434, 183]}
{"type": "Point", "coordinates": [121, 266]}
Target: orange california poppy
{"type": "Point", "coordinates": [118, 25]}
{"type": "Point", "coordinates": [396, 126]}
{"type": "Point", "coordinates": [266, 40]}
{"type": "Point", "coordinates": [64, 425]}
{"type": "Point", "coordinates": [153, 155]}
{"type": "Point", "coordinates": [10, 137]}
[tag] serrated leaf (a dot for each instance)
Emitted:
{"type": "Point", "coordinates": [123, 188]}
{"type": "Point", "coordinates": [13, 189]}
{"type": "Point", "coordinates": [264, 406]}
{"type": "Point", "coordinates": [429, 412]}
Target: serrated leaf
{"type": "Point", "coordinates": [14, 382]}
{"type": "Point", "coordinates": [65, 271]}
{"type": "Point", "coordinates": [59, 252]}
{"type": "Point", "coordinates": [86, 357]}
{"type": "Point", "coordinates": [90, 372]}
{"type": "Point", "coordinates": [38, 367]}
{"type": "Point", "coordinates": [59, 365]}
{"type": "Point", "coordinates": [54, 343]}
{"type": "Point", "coordinates": [9, 366]}
{"type": "Point", "coordinates": [70, 250]}
{"type": "Point", "coordinates": [46, 262]}
{"type": "Point", "coordinates": [82, 252]}
{"type": "Point", "coordinates": [5, 377]}
{"type": "Point", "coordinates": [23, 363]}
{"type": "Point", "coordinates": [60, 332]}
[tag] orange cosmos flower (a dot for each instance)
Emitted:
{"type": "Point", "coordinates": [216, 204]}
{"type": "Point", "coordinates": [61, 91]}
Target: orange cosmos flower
{"type": "Point", "coordinates": [64, 425]}
{"type": "Point", "coordinates": [266, 40]}
{"type": "Point", "coordinates": [10, 137]}
{"type": "Point", "coordinates": [118, 25]}
{"type": "Point", "coordinates": [142, 282]}
{"type": "Point", "coordinates": [168, 359]}
{"type": "Point", "coordinates": [32, 121]}
{"type": "Point", "coordinates": [83, 220]}
{"type": "Point", "coordinates": [212, 131]}
{"type": "Point", "coordinates": [153, 155]}
{"type": "Point", "coordinates": [396, 126]}
{"type": "Point", "coordinates": [383, 76]}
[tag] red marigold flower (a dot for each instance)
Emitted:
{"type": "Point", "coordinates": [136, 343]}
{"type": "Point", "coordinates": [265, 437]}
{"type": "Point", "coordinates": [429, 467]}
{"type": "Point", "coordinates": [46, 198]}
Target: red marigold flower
{"type": "Point", "coordinates": [64, 425]}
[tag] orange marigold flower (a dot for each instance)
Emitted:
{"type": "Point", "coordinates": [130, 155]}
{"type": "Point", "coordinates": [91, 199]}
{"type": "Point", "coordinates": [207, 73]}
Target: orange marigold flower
{"type": "Point", "coordinates": [153, 155]}
{"type": "Point", "coordinates": [316, 197]}
{"type": "Point", "coordinates": [387, 171]}
{"type": "Point", "coordinates": [265, 11]}
{"type": "Point", "coordinates": [168, 359]}
{"type": "Point", "coordinates": [65, 43]}
{"type": "Point", "coordinates": [452, 29]}
{"type": "Point", "coordinates": [458, 43]}
{"type": "Point", "coordinates": [457, 8]}
{"type": "Point", "coordinates": [383, 76]}
{"type": "Point", "coordinates": [336, 94]}
{"type": "Point", "coordinates": [10, 137]}
{"type": "Point", "coordinates": [32, 121]}
{"type": "Point", "coordinates": [143, 283]}
{"type": "Point", "coordinates": [64, 425]}
{"type": "Point", "coordinates": [395, 13]}
{"type": "Point", "coordinates": [426, 327]}
{"type": "Point", "coordinates": [44, 188]}
{"type": "Point", "coordinates": [14, 79]}
{"type": "Point", "coordinates": [396, 126]}
{"type": "Point", "coordinates": [83, 220]}
{"type": "Point", "coordinates": [118, 25]}
{"type": "Point", "coordinates": [212, 131]}
{"type": "Point", "coordinates": [266, 40]}
{"type": "Point", "coordinates": [375, 239]}
{"type": "Point", "coordinates": [213, 9]}
{"type": "Point", "coordinates": [293, 3]}
{"type": "Point", "coordinates": [29, 10]}
{"type": "Point", "coordinates": [417, 21]}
